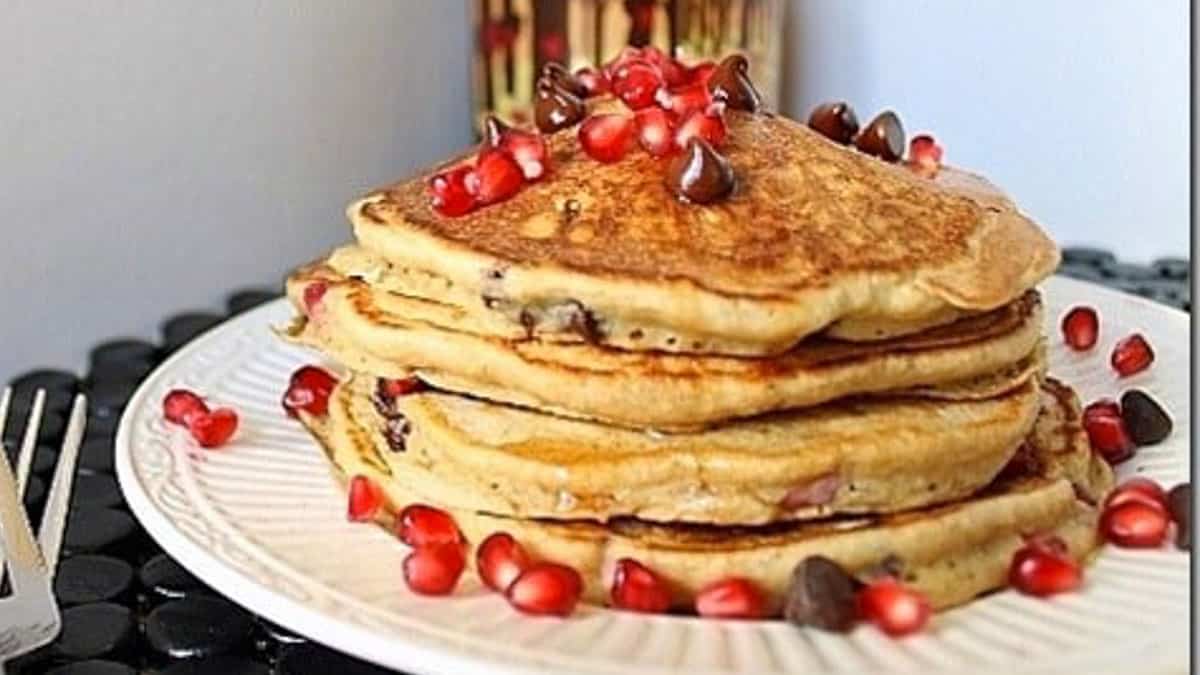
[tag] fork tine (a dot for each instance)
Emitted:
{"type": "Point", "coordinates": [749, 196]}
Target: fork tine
{"type": "Point", "coordinates": [54, 516]}
{"type": "Point", "coordinates": [19, 545]}
{"type": "Point", "coordinates": [5, 400]}
{"type": "Point", "coordinates": [29, 444]}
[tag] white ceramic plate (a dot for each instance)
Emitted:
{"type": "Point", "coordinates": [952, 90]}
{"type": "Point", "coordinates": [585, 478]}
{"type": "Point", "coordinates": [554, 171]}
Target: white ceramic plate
{"type": "Point", "coordinates": [263, 522]}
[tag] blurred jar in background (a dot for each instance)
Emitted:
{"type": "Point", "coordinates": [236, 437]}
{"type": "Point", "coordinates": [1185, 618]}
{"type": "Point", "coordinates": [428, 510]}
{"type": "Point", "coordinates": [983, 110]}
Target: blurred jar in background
{"type": "Point", "coordinates": [515, 38]}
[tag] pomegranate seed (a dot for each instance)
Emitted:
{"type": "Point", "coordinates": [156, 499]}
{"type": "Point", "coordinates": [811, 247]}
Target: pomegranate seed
{"type": "Point", "coordinates": [605, 138]}
{"type": "Point", "coordinates": [1101, 407]}
{"type": "Point", "coordinates": [626, 56]}
{"type": "Point", "coordinates": [434, 570]}
{"type": "Point", "coordinates": [528, 149]}
{"type": "Point", "coordinates": [895, 609]}
{"type": "Point", "coordinates": [421, 525]}
{"type": "Point", "coordinates": [1044, 568]}
{"type": "Point", "coordinates": [450, 194]}
{"type": "Point", "coordinates": [546, 588]}
{"type": "Point", "coordinates": [1052, 543]}
{"type": "Point", "coordinates": [500, 560]}
{"type": "Point", "coordinates": [1137, 523]}
{"type": "Point", "coordinates": [180, 406]}
{"type": "Point", "coordinates": [594, 79]}
{"type": "Point", "coordinates": [309, 390]}
{"type": "Point", "coordinates": [638, 589]}
{"type": "Point", "coordinates": [1137, 489]}
{"type": "Point", "coordinates": [656, 131]}
{"type": "Point", "coordinates": [701, 72]}
{"type": "Point", "coordinates": [364, 500]}
{"type": "Point", "coordinates": [1109, 437]}
{"type": "Point", "coordinates": [925, 155]}
{"type": "Point", "coordinates": [402, 386]}
{"type": "Point", "coordinates": [313, 294]}
{"type": "Point", "coordinates": [496, 177]}
{"type": "Point", "coordinates": [685, 100]}
{"type": "Point", "coordinates": [1081, 328]}
{"type": "Point", "coordinates": [635, 83]}
{"type": "Point", "coordinates": [707, 124]}
{"type": "Point", "coordinates": [733, 598]}
{"type": "Point", "coordinates": [673, 73]}
{"type": "Point", "coordinates": [1132, 355]}
{"type": "Point", "coordinates": [214, 429]}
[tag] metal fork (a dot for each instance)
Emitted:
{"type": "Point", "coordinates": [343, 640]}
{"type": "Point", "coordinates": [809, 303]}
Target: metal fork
{"type": "Point", "coordinates": [29, 617]}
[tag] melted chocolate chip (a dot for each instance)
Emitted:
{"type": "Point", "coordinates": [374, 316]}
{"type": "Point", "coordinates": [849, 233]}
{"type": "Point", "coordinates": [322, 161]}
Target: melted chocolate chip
{"type": "Point", "coordinates": [562, 77]}
{"type": "Point", "coordinates": [571, 209]}
{"type": "Point", "coordinates": [556, 108]}
{"type": "Point", "coordinates": [383, 400]}
{"type": "Point", "coordinates": [835, 121]}
{"type": "Point", "coordinates": [821, 595]}
{"type": "Point", "coordinates": [730, 82]}
{"type": "Point", "coordinates": [883, 137]}
{"type": "Point", "coordinates": [581, 321]}
{"type": "Point", "coordinates": [1146, 420]}
{"type": "Point", "coordinates": [700, 175]}
{"type": "Point", "coordinates": [396, 430]}
{"type": "Point", "coordinates": [1179, 502]}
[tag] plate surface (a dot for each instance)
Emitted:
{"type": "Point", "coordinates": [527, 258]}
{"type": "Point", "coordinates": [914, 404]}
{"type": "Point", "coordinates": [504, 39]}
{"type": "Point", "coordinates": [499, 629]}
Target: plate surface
{"type": "Point", "coordinates": [263, 522]}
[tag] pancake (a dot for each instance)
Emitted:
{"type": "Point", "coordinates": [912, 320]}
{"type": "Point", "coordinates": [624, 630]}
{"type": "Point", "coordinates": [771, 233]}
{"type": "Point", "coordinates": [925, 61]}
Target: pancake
{"type": "Point", "coordinates": [868, 456]}
{"type": "Point", "coordinates": [951, 553]}
{"type": "Point", "coordinates": [817, 235]}
{"type": "Point", "coordinates": [391, 335]}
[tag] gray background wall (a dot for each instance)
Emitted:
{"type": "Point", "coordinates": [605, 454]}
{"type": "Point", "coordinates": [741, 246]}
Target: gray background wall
{"type": "Point", "coordinates": [154, 154]}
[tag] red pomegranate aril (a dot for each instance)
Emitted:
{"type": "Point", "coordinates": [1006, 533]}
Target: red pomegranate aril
{"type": "Point", "coordinates": [1109, 437]}
{"type": "Point", "coordinates": [684, 100]}
{"type": "Point", "coordinates": [606, 138]}
{"type": "Point", "coordinates": [1135, 524]}
{"type": "Point", "coordinates": [500, 560]}
{"type": "Point", "coordinates": [1081, 328]}
{"type": "Point", "coordinates": [496, 177]}
{"type": "Point", "coordinates": [1101, 407]}
{"type": "Point", "coordinates": [364, 499]}
{"type": "Point", "coordinates": [636, 588]}
{"type": "Point", "coordinates": [313, 294]}
{"type": "Point", "coordinates": [925, 155]}
{"type": "Point", "coordinates": [529, 150]}
{"type": "Point", "coordinates": [733, 598]}
{"type": "Point", "coordinates": [635, 83]}
{"type": "Point", "coordinates": [181, 406]}
{"type": "Point", "coordinates": [1132, 355]}
{"type": "Point", "coordinates": [656, 131]}
{"type": "Point", "coordinates": [1137, 488]}
{"type": "Point", "coordinates": [214, 429]}
{"type": "Point", "coordinates": [546, 589]}
{"type": "Point", "coordinates": [421, 525]}
{"type": "Point", "coordinates": [707, 124]}
{"type": "Point", "coordinates": [434, 570]}
{"type": "Point", "coordinates": [309, 390]}
{"type": "Point", "coordinates": [450, 194]}
{"type": "Point", "coordinates": [701, 72]}
{"type": "Point", "coordinates": [594, 79]}
{"type": "Point", "coordinates": [402, 386]}
{"type": "Point", "coordinates": [896, 609]}
{"type": "Point", "coordinates": [626, 56]}
{"type": "Point", "coordinates": [1044, 568]}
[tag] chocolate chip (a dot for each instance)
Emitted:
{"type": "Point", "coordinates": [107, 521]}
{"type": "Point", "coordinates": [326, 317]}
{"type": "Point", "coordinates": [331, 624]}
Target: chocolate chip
{"type": "Point", "coordinates": [883, 137]}
{"type": "Point", "coordinates": [494, 131]}
{"type": "Point", "coordinates": [556, 108]}
{"type": "Point", "coordinates": [1145, 419]}
{"type": "Point", "coordinates": [562, 77]}
{"type": "Point", "coordinates": [730, 82]}
{"type": "Point", "coordinates": [835, 121]}
{"type": "Point", "coordinates": [382, 399]}
{"type": "Point", "coordinates": [581, 321]}
{"type": "Point", "coordinates": [822, 595]}
{"type": "Point", "coordinates": [1179, 502]}
{"type": "Point", "coordinates": [396, 430]}
{"type": "Point", "coordinates": [700, 175]}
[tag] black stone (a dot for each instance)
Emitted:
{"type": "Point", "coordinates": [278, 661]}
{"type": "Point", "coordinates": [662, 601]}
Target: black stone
{"type": "Point", "coordinates": [93, 631]}
{"type": "Point", "coordinates": [1173, 268]}
{"type": "Point", "coordinates": [50, 429]}
{"type": "Point", "coordinates": [35, 492]}
{"type": "Point", "coordinates": [108, 398]}
{"type": "Point", "coordinates": [1082, 272]}
{"type": "Point", "coordinates": [165, 579]}
{"type": "Point", "coordinates": [1088, 256]}
{"type": "Point", "coordinates": [822, 595]}
{"type": "Point", "coordinates": [217, 665]}
{"type": "Point", "coordinates": [102, 427]}
{"type": "Point", "coordinates": [312, 659]}
{"type": "Point", "coordinates": [119, 371]}
{"type": "Point", "coordinates": [1127, 272]}
{"type": "Point", "coordinates": [93, 667]}
{"type": "Point", "coordinates": [92, 578]}
{"type": "Point", "coordinates": [123, 350]}
{"type": "Point", "coordinates": [198, 627]}
{"type": "Point", "coordinates": [1179, 502]}
{"type": "Point", "coordinates": [95, 490]}
{"type": "Point", "coordinates": [98, 530]}
{"type": "Point", "coordinates": [48, 379]}
{"type": "Point", "coordinates": [179, 330]}
{"type": "Point", "coordinates": [248, 299]}
{"type": "Point", "coordinates": [97, 455]}
{"type": "Point", "coordinates": [44, 457]}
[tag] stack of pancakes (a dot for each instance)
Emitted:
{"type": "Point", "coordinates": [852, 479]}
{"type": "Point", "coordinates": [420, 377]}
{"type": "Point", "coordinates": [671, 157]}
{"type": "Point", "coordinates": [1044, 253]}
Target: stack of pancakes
{"type": "Point", "coordinates": [843, 358]}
